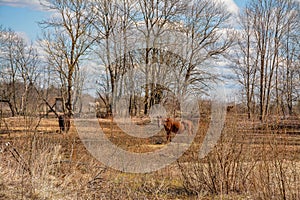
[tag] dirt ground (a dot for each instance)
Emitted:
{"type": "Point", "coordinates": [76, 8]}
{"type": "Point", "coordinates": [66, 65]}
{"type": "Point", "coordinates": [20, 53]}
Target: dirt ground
{"type": "Point", "coordinates": [251, 161]}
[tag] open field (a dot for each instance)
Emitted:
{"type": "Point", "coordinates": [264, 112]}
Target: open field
{"type": "Point", "coordinates": [251, 161]}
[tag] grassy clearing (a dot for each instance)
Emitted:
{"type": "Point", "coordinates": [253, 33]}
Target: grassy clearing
{"type": "Point", "coordinates": [36, 162]}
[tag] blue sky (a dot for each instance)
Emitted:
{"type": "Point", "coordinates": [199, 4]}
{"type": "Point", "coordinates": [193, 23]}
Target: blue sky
{"type": "Point", "coordinates": [22, 15]}
{"type": "Point", "coordinates": [22, 20]}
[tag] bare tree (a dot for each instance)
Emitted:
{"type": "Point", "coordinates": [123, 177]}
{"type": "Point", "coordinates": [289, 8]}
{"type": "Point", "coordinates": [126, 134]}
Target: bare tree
{"type": "Point", "coordinates": [114, 22]}
{"type": "Point", "coordinates": [151, 21]}
{"type": "Point", "coordinates": [286, 71]}
{"type": "Point", "coordinates": [19, 71]}
{"type": "Point", "coordinates": [266, 35]}
{"type": "Point", "coordinates": [9, 70]}
{"type": "Point", "coordinates": [208, 38]}
{"type": "Point", "coordinates": [68, 37]}
{"type": "Point", "coordinates": [246, 62]}
{"type": "Point", "coordinates": [107, 18]}
{"type": "Point", "coordinates": [166, 46]}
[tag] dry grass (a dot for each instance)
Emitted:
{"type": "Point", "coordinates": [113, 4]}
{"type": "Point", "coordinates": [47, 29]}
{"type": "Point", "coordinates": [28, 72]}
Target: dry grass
{"type": "Point", "coordinates": [247, 163]}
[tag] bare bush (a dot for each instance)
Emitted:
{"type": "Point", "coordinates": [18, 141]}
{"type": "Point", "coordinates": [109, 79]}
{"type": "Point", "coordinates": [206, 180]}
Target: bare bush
{"type": "Point", "coordinates": [224, 171]}
{"type": "Point", "coordinates": [240, 165]}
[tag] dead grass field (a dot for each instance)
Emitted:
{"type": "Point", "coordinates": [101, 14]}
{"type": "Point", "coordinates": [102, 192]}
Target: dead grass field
{"type": "Point", "coordinates": [251, 161]}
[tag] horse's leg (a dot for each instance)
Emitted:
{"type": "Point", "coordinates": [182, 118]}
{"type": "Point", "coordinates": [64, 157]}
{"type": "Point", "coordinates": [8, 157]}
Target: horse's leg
{"type": "Point", "coordinates": [168, 136]}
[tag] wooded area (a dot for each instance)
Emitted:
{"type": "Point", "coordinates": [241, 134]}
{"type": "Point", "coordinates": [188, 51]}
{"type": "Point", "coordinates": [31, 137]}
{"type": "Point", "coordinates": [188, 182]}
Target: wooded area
{"type": "Point", "coordinates": [150, 50]}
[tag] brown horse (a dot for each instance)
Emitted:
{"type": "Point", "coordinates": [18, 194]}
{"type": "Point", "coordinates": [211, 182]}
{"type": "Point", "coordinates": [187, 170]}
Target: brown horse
{"type": "Point", "coordinates": [177, 127]}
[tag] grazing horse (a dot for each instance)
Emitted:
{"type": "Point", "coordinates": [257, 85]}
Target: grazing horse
{"type": "Point", "coordinates": [64, 123]}
{"type": "Point", "coordinates": [177, 127]}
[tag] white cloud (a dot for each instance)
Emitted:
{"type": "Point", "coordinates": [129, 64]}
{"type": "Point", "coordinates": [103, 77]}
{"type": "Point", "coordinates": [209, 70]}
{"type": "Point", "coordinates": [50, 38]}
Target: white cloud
{"type": "Point", "coordinates": [33, 4]}
{"type": "Point", "coordinates": [24, 36]}
{"type": "Point", "coordinates": [231, 6]}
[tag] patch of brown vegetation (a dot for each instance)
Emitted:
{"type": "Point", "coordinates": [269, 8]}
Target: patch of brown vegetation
{"type": "Point", "coordinates": [39, 163]}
